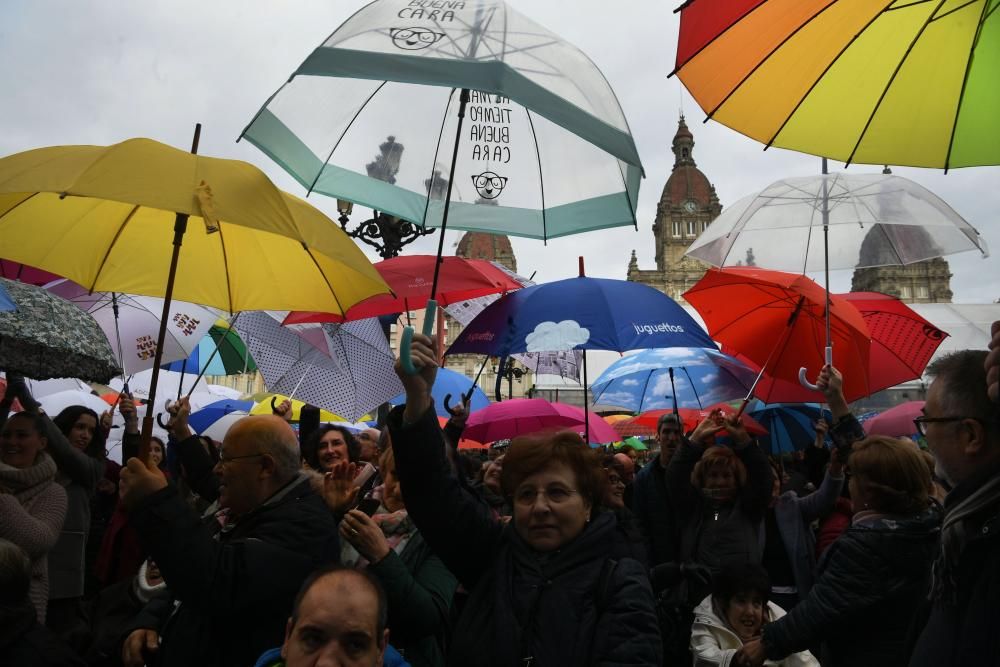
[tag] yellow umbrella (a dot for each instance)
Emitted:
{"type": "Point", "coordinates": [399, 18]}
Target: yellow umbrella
{"type": "Point", "coordinates": [263, 407]}
{"type": "Point", "coordinates": [114, 219]}
{"type": "Point", "coordinates": [104, 217]}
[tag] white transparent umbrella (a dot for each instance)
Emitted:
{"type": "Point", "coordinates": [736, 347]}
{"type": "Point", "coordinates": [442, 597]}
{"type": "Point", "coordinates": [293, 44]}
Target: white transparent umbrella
{"type": "Point", "coordinates": [836, 221]}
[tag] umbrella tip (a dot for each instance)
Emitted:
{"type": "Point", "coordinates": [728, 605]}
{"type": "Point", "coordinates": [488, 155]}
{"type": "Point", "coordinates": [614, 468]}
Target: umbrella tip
{"type": "Point", "coordinates": [582, 274]}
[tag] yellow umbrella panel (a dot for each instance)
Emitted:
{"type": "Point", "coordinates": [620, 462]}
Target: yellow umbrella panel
{"type": "Point", "coordinates": [104, 217]}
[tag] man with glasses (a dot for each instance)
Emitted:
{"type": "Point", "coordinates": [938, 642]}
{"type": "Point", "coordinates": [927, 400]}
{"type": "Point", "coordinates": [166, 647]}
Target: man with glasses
{"type": "Point", "coordinates": [235, 575]}
{"type": "Point", "coordinates": [649, 493]}
{"type": "Point", "coordinates": [962, 430]}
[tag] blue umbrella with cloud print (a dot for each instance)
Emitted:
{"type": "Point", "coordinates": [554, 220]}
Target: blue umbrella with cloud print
{"type": "Point", "coordinates": [702, 376]}
{"type": "Point", "coordinates": [580, 314]}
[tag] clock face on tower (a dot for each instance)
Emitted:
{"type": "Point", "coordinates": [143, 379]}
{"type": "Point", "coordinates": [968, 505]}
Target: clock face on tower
{"type": "Point", "coordinates": [690, 206]}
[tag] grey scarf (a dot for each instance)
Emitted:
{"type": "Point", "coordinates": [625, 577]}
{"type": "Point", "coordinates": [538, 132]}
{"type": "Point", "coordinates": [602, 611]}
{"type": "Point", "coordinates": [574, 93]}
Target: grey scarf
{"type": "Point", "coordinates": [26, 483]}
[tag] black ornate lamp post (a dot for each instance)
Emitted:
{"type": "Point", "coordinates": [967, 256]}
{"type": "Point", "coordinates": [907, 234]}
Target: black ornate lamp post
{"type": "Point", "coordinates": [386, 233]}
{"type": "Point", "coordinates": [510, 372]}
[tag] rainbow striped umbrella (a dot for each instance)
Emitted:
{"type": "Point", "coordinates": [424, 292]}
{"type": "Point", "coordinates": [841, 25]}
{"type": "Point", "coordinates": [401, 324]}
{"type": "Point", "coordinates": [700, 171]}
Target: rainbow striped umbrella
{"type": "Point", "coordinates": [867, 81]}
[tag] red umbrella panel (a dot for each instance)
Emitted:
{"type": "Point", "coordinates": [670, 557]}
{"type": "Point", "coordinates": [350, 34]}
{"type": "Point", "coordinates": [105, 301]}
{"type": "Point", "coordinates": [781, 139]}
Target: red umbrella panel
{"type": "Point", "coordinates": [691, 417]}
{"type": "Point", "coordinates": [410, 278]}
{"type": "Point", "coordinates": [776, 321]}
{"type": "Point", "coordinates": [903, 342]}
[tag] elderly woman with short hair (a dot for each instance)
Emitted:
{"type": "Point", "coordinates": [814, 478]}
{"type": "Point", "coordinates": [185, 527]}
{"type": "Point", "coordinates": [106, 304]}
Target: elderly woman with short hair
{"type": "Point", "coordinates": [876, 574]}
{"type": "Point", "coordinates": [549, 588]}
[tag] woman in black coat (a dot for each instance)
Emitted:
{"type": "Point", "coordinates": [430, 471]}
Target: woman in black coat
{"type": "Point", "coordinates": [549, 588]}
{"type": "Point", "coordinates": [872, 579]}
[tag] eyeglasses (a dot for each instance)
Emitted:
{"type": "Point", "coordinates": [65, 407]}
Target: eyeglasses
{"type": "Point", "coordinates": [556, 495]}
{"type": "Point", "coordinates": [922, 422]}
{"type": "Point", "coordinates": [223, 460]}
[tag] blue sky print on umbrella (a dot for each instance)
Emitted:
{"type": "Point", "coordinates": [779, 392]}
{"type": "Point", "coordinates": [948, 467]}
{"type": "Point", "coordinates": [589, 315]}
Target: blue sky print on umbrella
{"type": "Point", "coordinates": [702, 377]}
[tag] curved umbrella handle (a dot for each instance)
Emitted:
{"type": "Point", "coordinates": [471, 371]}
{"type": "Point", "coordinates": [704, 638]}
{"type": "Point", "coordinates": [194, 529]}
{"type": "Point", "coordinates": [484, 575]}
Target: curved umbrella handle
{"type": "Point", "coordinates": [274, 407]}
{"type": "Point", "coordinates": [802, 371]}
{"type": "Point", "coordinates": [407, 339]}
{"type": "Point", "coordinates": [159, 420]}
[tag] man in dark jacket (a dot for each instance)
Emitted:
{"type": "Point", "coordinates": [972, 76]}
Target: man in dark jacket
{"type": "Point", "coordinates": [232, 590]}
{"type": "Point", "coordinates": [649, 494]}
{"type": "Point", "coordinates": [962, 429]}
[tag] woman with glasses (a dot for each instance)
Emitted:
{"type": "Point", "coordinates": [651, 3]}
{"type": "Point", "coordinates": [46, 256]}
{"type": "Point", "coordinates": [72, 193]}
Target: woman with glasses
{"type": "Point", "coordinates": [552, 587]}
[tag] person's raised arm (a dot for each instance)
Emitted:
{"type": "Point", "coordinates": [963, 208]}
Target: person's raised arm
{"type": "Point", "coordinates": [682, 494]}
{"type": "Point", "coordinates": [846, 428]}
{"type": "Point", "coordinates": [757, 491]}
{"type": "Point", "coordinates": [458, 528]}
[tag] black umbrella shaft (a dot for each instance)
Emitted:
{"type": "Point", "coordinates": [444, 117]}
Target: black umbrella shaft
{"type": "Point", "coordinates": [826, 248]}
{"type": "Point", "coordinates": [463, 101]}
{"type": "Point", "coordinates": [180, 226]}
{"type": "Point", "coordinates": [586, 408]}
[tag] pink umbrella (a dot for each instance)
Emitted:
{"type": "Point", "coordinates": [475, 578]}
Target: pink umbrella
{"type": "Point", "coordinates": [895, 422]}
{"type": "Point", "coordinates": [522, 416]}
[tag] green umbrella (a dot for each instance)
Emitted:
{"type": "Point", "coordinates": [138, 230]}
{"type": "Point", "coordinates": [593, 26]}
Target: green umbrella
{"type": "Point", "coordinates": [635, 443]}
{"type": "Point", "coordinates": [231, 359]}
{"type": "Point", "coordinates": [48, 337]}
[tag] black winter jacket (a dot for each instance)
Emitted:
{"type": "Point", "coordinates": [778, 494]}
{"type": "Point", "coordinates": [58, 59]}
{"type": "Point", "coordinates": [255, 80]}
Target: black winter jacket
{"type": "Point", "coordinates": [652, 509]}
{"type": "Point", "coordinates": [577, 606]}
{"type": "Point", "coordinates": [235, 587]}
{"type": "Point", "coordinates": [868, 585]}
{"type": "Point", "coordinates": [963, 632]}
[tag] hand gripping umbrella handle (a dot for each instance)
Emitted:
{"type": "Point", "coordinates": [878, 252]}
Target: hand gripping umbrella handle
{"type": "Point", "coordinates": [407, 339]}
{"type": "Point", "coordinates": [167, 405]}
{"type": "Point", "coordinates": [802, 371]}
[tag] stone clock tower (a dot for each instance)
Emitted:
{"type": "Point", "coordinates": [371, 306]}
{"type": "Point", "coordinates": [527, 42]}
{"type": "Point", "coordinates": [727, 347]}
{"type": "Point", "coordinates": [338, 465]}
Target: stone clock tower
{"type": "Point", "coordinates": [687, 206]}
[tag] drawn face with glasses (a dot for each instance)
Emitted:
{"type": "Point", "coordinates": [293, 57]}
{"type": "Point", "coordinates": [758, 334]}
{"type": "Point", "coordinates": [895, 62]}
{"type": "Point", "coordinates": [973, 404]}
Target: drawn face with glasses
{"type": "Point", "coordinates": [548, 508]}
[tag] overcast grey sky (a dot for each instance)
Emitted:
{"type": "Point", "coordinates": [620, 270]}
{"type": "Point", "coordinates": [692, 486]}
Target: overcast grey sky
{"type": "Point", "coordinates": [97, 72]}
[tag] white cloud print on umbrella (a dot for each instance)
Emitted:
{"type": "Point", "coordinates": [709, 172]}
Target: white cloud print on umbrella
{"type": "Point", "coordinates": [555, 337]}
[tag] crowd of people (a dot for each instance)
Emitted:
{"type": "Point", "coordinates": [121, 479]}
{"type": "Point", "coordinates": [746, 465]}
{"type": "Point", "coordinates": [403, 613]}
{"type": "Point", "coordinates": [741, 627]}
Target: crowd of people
{"type": "Point", "coordinates": [323, 546]}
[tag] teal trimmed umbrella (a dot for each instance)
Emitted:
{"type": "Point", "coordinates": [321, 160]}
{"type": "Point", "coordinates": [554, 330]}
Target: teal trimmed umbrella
{"type": "Point", "coordinates": [484, 120]}
{"type": "Point", "coordinates": [232, 357]}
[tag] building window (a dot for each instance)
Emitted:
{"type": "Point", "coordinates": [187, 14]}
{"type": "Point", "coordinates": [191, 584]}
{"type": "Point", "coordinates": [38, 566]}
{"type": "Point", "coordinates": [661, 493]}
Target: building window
{"type": "Point", "coordinates": [905, 292]}
{"type": "Point", "coordinates": [923, 292]}
{"type": "Point", "coordinates": [691, 228]}
{"type": "Point", "coordinates": [677, 229]}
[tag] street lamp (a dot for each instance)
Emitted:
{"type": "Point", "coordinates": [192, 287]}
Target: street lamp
{"type": "Point", "coordinates": [386, 233]}
{"type": "Point", "coordinates": [510, 372]}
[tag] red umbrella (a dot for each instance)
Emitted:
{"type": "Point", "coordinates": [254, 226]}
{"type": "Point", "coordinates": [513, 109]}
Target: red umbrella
{"type": "Point", "coordinates": [630, 427]}
{"type": "Point", "coordinates": [463, 443]}
{"type": "Point", "coordinates": [776, 321]}
{"type": "Point", "coordinates": [25, 274]}
{"type": "Point", "coordinates": [896, 422]}
{"type": "Point", "coordinates": [902, 341]}
{"type": "Point", "coordinates": [691, 417]}
{"type": "Point", "coordinates": [410, 279]}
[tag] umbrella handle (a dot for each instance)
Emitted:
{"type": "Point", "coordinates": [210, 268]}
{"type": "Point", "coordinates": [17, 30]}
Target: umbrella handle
{"type": "Point", "coordinates": [407, 339]}
{"type": "Point", "coordinates": [802, 371]}
{"type": "Point", "coordinates": [159, 420]}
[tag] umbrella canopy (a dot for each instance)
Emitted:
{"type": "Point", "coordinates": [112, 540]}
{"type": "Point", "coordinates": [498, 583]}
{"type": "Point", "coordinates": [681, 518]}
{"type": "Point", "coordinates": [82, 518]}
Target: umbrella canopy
{"type": "Point", "coordinates": [872, 82]}
{"type": "Point", "coordinates": [702, 376]}
{"type": "Point", "coordinates": [691, 417]}
{"type": "Point", "coordinates": [48, 337]}
{"type": "Point", "coordinates": [410, 280]}
{"type": "Point", "coordinates": [171, 386]}
{"type": "Point", "coordinates": [873, 220]}
{"type": "Point", "coordinates": [344, 368]}
{"type": "Point", "coordinates": [903, 342]}
{"type": "Point", "coordinates": [523, 416]}
{"type": "Point", "coordinates": [231, 358]}
{"type": "Point", "coordinates": [262, 406]}
{"type": "Point", "coordinates": [25, 274]}
{"type": "Point", "coordinates": [456, 384]}
{"type": "Point", "coordinates": [580, 314]}
{"type": "Point", "coordinates": [55, 403]}
{"type": "Point", "coordinates": [104, 218]}
{"type": "Point", "coordinates": [6, 304]}
{"type": "Point", "coordinates": [633, 442]}
{"type": "Point", "coordinates": [546, 150]}
{"type": "Point", "coordinates": [789, 425]}
{"type": "Point", "coordinates": [777, 321]}
{"type": "Point", "coordinates": [897, 421]}
{"type": "Point", "coordinates": [131, 323]}
{"type": "Point", "coordinates": [211, 413]}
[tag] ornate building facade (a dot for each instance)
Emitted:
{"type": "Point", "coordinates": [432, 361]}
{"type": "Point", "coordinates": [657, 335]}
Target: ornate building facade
{"type": "Point", "coordinates": [686, 207]}
{"type": "Point", "coordinates": [923, 282]}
